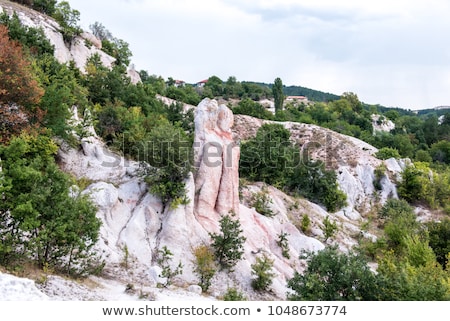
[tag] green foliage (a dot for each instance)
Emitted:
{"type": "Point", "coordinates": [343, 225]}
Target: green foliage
{"type": "Point", "coordinates": [269, 156]}
{"type": "Point", "coordinates": [164, 259]}
{"type": "Point", "coordinates": [410, 186]}
{"type": "Point", "coordinates": [232, 88]}
{"type": "Point", "coordinates": [379, 173]}
{"type": "Point", "coordinates": [214, 86]}
{"type": "Point", "coordinates": [272, 158]}
{"type": "Point", "coordinates": [423, 156]}
{"type": "Point", "coordinates": [400, 222]}
{"type": "Point", "coordinates": [387, 152]}
{"type": "Point", "coordinates": [100, 31]}
{"type": "Point", "coordinates": [334, 276]}
{"type": "Point", "coordinates": [126, 257]}
{"type": "Point", "coordinates": [255, 91]}
{"type": "Point", "coordinates": [261, 202]}
{"type": "Point", "coordinates": [313, 181]}
{"type": "Point", "coordinates": [229, 243]}
{"type": "Point", "coordinates": [440, 151]}
{"type": "Point", "coordinates": [47, 7]}
{"type": "Point", "coordinates": [169, 155]}
{"type": "Point", "coordinates": [353, 100]}
{"type": "Point", "coordinates": [398, 141]}
{"type": "Point", "coordinates": [262, 270]}
{"type": "Point", "coordinates": [394, 208]}
{"type": "Point", "coordinates": [62, 91]}
{"type": "Point", "coordinates": [205, 266]}
{"type": "Point", "coordinates": [305, 224]}
{"type": "Point", "coordinates": [118, 49]}
{"type": "Point", "coordinates": [232, 294]}
{"type": "Point", "coordinates": [186, 94]}
{"type": "Point", "coordinates": [251, 108]}
{"type": "Point", "coordinates": [329, 228]}
{"type": "Point", "coordinates": [40, 219]}
{"type": "Point", "coordinates": [277, 91]}
{"type": "Point", "coordinates": [401, 280]}
{"type": "Point", "coordinates": [439, 240]}
{"type": "Point", "coordinates": [33, 39]}
{"type": "Point", "coordinates": [282, 242]}
{"type": "Point", "coordinates": [68, 20]}
{"type": "Point", "coordinates": [422, 184]}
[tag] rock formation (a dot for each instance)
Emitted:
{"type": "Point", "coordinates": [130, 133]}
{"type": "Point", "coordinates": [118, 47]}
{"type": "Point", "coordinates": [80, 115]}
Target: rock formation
{"type": "Point", "coordinates": [216, 160]}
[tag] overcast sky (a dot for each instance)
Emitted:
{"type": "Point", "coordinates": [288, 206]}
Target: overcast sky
{"type": "Point", "coordinates": [394, 53]}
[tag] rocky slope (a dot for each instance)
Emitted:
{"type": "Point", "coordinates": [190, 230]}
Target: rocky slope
{"type": "Point", "coordinates": [135, 220]}
{"type": "Point", "coordinates": [136, 225]}
{"type": "Point", "coordinates": [79, 50]}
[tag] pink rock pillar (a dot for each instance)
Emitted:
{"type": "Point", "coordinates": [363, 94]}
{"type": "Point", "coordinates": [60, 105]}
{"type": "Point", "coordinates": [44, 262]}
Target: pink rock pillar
{"type": "Point", "coordinates": [216, 161]}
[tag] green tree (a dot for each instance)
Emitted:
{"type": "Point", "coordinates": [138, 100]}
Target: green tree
{"type": "Point", "coordinates": [329, 228]}
{"type": "Point", "coordinates": [401, 280]}
{"type": "Point", "coordinates": [440, 151]}
{"type": "Point", "coordinates": [118, 49]}
{"type": "Point", "coordinates": [262, 270]}
{"type": "Point", "coordinates": [205, 266]}
{"type": "Point", "coordinates": [400, 222]}
{"type": "Point", "coordinates": [283, 243]}
{"type": "Point", "coordinates": [232, 294]}
{"type": "Point", "coordinates": [353, 99]}
{"type": "Point", "coordinates": [229, 243]}
{"type": "Point", "coordinates": [439, 240]}
{"type": "Point", "coordinates": [40, 217]}
{"type": "Point", "coordinates": [164, 259]}
{"type": "Point", "coordinates": [62, 91]}
{"type": "Point", "coordinates": [47, 7]}
{"type": "Point", "coordinates": [100, 31]}
{"type": "Point", "coordinates": [233, 88]}
{"type": "Point", "coordinates": [334, 276]}
{"type": "Point", "coordinates": [387, 152]}
{"type": "Point", "coordinates": [312, 180]}
{"type": "Point", "coordinates": [215, 85]}
{"type": "Point", "coordinates": [410, 187]}
{"type": "Point", "coordinates": [269, 156]}
{"type": "Point", "coordinates": [33, 40]}
{"type": "Point", "coordinates": [68, 19]}
{"type": "Point", "coordinates": [249, 107]}
{"type": "Point", "coordinates": [169, 154]}
{"type": "Point", "coordinates": [277, 91]}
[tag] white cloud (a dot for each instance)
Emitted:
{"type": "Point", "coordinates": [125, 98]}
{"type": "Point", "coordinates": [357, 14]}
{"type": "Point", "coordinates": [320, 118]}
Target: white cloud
{"type": "Point", "coordinates": [390, 52]}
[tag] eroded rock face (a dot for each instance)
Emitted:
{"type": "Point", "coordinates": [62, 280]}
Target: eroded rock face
{"type": "Point", "coordinates": [216, 160]}
{"type": "Point", "coordinates": [135, 226]}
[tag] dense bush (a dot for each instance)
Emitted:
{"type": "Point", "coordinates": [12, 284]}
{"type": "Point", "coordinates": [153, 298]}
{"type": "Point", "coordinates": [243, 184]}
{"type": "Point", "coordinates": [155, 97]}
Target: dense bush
{"type": "Point", "coordinates": [333, 276]}
{"type": "Point", "coordinates": [271, 157]}
{"type": "Point", "coordinates": [18, 79]}
{"type": "Point", "coordinates": [42, 219]}
{"type": "Point", "coordinates": [228, 245]}
{"type": "Point", "coordinates": [387, 152]}
{"type": "Point", "coordinates": [261, 269]}
{"type": "Point", "coordinates": [205, 266]}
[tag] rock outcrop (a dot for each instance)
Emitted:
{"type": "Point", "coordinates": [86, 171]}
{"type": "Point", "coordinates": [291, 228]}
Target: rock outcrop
{"type": "Point", "coordinates": [80, 48]}
{"type": "Point", "coordinates": [352, 159]}
{"type": "Point", "coordinates": [134, 225]}
{"type": "Point", "coordinates": [216, 161]}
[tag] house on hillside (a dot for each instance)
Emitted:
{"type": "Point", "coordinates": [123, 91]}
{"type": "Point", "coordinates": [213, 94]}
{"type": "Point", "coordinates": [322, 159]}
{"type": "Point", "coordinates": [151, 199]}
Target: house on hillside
{"type": "Point", "coordinates": [201, 84]}
{"type": "Point", "coordinates": [296, 99]}
{"type": "Point", "coordinates": [179, 83]}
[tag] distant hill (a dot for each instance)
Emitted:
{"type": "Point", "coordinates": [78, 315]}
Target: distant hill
{"type": "Point", "coordinates": [312, 94]}
{"type": "Point", "coordinates": [438, 111]}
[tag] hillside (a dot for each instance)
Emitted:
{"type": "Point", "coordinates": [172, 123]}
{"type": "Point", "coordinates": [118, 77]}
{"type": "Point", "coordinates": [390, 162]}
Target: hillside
{"type": "Point", "coordinates": [117, 185]}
